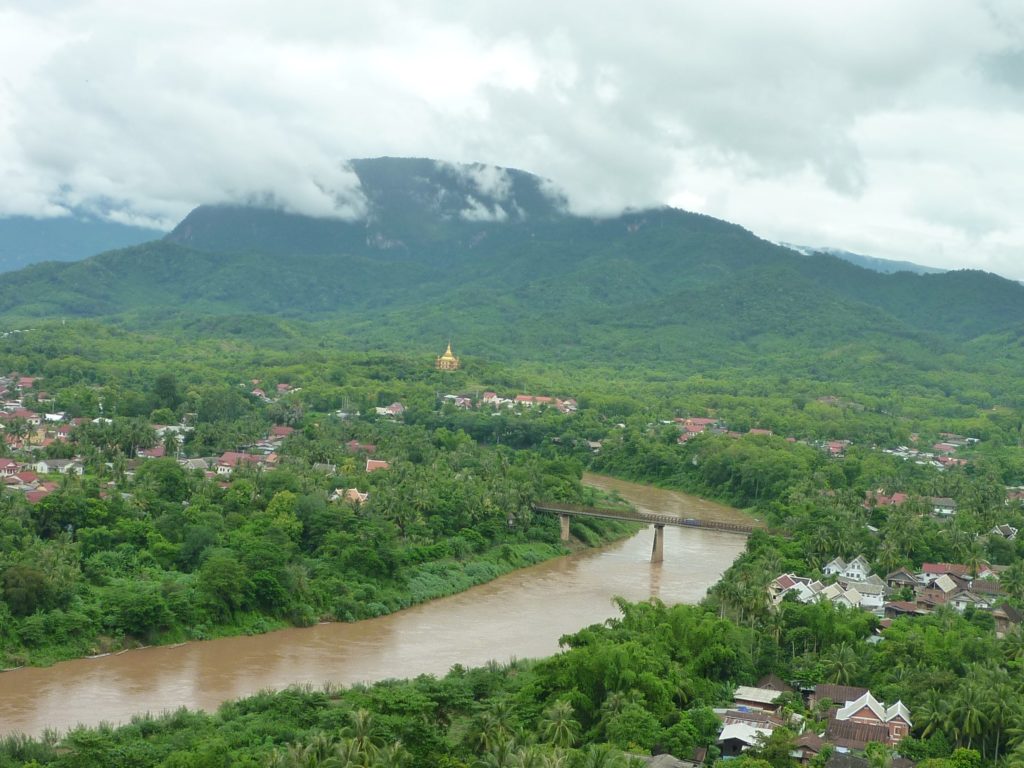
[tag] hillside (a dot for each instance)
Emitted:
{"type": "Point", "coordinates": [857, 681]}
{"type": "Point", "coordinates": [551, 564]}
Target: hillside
{"type": "Point", "coordinates": [490, 258]}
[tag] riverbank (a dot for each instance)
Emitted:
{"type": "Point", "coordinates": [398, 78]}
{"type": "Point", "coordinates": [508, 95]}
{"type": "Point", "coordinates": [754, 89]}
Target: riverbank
{"type": "Point", "coordinates": [521, 614]}
{"type": "Point", "coordinates": [421, 583]}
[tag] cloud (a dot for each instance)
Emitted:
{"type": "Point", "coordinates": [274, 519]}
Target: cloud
{"type": "Point", "coordinates": [478, 211]}
{"type": "Point", "coordinates": [874, 126]}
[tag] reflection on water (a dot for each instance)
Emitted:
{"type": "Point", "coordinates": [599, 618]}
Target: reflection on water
{"type": "Point", "coordinates": [519, 615]}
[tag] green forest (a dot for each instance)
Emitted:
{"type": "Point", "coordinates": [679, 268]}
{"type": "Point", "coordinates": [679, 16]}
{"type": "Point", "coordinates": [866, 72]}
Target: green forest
{"type": "Point", "coordinates": [241, 428]}
{"type": "Point", "coordinates": [136, 550]}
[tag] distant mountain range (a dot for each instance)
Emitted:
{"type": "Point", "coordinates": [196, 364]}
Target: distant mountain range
{"type": "Point", "coordinates": [24, 240]}
{"type": "Point", "coordinates": [886, 266]}
{"type": "Point", "coordinates": [492, 259]}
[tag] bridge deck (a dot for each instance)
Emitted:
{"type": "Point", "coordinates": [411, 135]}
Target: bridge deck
{"type": "Point", "coordinates": [642, 517]}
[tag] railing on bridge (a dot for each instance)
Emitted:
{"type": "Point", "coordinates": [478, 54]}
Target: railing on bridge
{"type": "Point", "coordinates": [641, 517]}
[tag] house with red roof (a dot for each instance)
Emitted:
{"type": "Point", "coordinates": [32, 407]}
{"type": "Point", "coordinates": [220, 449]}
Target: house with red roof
{"type": "Point", "coordinates": [354, 446]}
{"type": "Point", "coordinates": [372, 465]}
{"type": "Point", "coordinates": [231, 459]}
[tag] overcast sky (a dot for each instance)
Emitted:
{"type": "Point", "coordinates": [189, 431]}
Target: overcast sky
{"type": "Point", "coordinates": [894, 129]}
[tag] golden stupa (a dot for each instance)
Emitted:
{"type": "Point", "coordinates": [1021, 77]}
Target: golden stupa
{"type": "Point", "coordinates": [447, 361]}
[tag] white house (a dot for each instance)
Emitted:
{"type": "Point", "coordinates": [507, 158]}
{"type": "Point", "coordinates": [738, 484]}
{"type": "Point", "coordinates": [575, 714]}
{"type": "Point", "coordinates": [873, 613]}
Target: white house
{"type": "Point", "coordinates": [857, 569]}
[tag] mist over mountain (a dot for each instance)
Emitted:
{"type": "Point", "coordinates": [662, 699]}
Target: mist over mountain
{"type": "Point", "coordinates": [886, 266]}
{"type": "Point", "coordinates": [491, 258]}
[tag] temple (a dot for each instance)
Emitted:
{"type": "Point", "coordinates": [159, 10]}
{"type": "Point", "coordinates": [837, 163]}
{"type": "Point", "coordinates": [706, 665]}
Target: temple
{"type": "Point", "coordinates": [447, 361]}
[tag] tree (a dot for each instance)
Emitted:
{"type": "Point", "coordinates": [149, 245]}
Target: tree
{"type": "Point", "coordinates": [558, 726]}
{"type": "Point", "coordinates": [26, 589]}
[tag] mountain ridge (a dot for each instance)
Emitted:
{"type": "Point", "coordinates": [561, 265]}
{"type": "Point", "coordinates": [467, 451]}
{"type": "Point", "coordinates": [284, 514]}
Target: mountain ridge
{"type": "Point", "coordinates": [655, 285]}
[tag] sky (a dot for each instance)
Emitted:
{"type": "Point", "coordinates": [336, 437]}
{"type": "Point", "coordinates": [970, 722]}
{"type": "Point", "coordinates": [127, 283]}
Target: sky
{"type": "Point", "coordinates": [894, 129]}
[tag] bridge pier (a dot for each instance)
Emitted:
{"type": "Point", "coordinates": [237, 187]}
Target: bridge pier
{"type": "Point", "coordinates": [565, 526]}
{"type": "Point", "coordinates": [658, 550]}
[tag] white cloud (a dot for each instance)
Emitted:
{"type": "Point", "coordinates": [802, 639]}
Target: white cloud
{"type": "Point", "coordinates": [478, 211]}
{"type": "Point", "coordinates": [874, 126]}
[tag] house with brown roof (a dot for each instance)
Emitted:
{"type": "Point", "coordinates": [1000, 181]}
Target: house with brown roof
{"type": "Point", "coordinates": [372, 465]}
{"type": "Point", "coordinates": [835, 693]}
{"type": "Point", "coordinates": [353, 495]}
{"type": "Point", "coordinates": [900, 578]}
{"type": "Point", "coordinates": [865, 719]}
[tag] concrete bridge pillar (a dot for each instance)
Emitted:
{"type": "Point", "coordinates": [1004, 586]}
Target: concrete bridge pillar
{"type": "Point", "coordinates": [658, 550]}
{"type": "Point", "coordinates": [565, 527]}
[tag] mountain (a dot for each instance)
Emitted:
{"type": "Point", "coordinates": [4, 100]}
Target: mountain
{"type": "Point", "coordinates": [24, 240]}
{"type": "Point", "coordinates": [492, 259]}
{"type": "Point", "coordinates": [874, 263]}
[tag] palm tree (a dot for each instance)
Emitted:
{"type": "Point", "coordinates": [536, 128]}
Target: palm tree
{"type": "Point", "coordinates": [392, 756]}
{"type": "Point", "coordinates": [969, 712]}
{"type": "Point", "coordinates": [347, 754]}
{"type": "Point", "coordinates": [841, 664]}
{"type": "Point", "coordinates": [558, 726]}
{"type": "Point", "coordinates": [933, 714]}
{"type": "Point", "coordinates": [495, 726]}
{"type": "Point", "coordinates": [603, 756]}
{"type": "Point", "coordinates": [1012, 580]}
{"type": "Point", "coordinates": [502, 755]}
{"type": "Point", "coordinates": [531, 757]}
{"type": "Point", "coordinates": [361, 731]}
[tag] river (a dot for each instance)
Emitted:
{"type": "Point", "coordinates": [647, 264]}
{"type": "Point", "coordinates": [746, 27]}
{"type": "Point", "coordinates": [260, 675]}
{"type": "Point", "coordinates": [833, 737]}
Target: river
{"type": "Point", "coordinates": [518, 615]}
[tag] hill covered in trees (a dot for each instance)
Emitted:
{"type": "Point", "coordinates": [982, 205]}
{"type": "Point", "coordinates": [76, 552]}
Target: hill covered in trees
{"type": "Point", "coordinates": [494, 259]}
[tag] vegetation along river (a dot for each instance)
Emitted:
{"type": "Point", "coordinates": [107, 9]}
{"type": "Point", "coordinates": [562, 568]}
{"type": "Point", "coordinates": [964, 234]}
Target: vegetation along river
{"type": "Point", "coordinates": [519, 615]}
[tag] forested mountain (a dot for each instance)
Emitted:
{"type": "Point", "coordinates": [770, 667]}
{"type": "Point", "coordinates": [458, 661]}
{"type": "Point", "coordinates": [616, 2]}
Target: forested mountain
{"type": "Point", "coordinates": [24, 240]}
{"type": "Point", "coordinates": [492, 258]}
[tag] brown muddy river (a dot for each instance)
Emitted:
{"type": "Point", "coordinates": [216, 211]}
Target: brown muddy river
{"type": "Point", "coordinates": [519, 615]}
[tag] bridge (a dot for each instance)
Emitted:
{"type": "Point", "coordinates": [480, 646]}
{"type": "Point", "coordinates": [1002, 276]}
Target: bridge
{"type": "Point", "coordinates": [659, 521]}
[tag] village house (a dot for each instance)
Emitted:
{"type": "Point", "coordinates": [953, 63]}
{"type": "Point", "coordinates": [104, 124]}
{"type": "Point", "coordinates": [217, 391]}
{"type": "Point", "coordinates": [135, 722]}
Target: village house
{"type": "Point", "coordinates": [227, 463]}
{"type": "Point", "coordinates": [902, 578]}
{"type": "Point", "coordinates": [943, 506]}
{"type": "Point", "coordinates": [62, 466]}
{"type": "Point", "coordinates": [529, 401]}
{"type": "Point", "coordinates": [1005, 531]}
{"type": "Point", "coordinates": [865, 719]}
{"type": "Point", "coordinates": [752, 697]}
{"type": "Point", "coordinates": [393, 411]}
{"type": "Point", "coordinates": [878, 498]}
{"type": "Point", "coordinates": [857, 569]}
{"type": "Point", "coordinates": [373, 465]}
{"type": "Point", "coordinates": [354, 446]}
{"type": "Point", "coordinates": [353, 495]}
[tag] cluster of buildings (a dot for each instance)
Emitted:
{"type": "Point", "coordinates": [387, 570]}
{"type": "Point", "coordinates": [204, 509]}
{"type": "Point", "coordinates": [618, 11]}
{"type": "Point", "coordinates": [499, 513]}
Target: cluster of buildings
{"type": "Point", "coordinates": [854, 718]}
{"type": "Point", "coordinates": [495, 401]}
{"type": "Point", "coordinates": [941, 454]}
{"type": "Point", "coordinates": [691, 426]}
{"type": "Point", "coordinates": [941, 506]}
{"type": "Point", "coordinates": [260, 393]}
{"type": "Point", "coordinates": [937, 584]}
